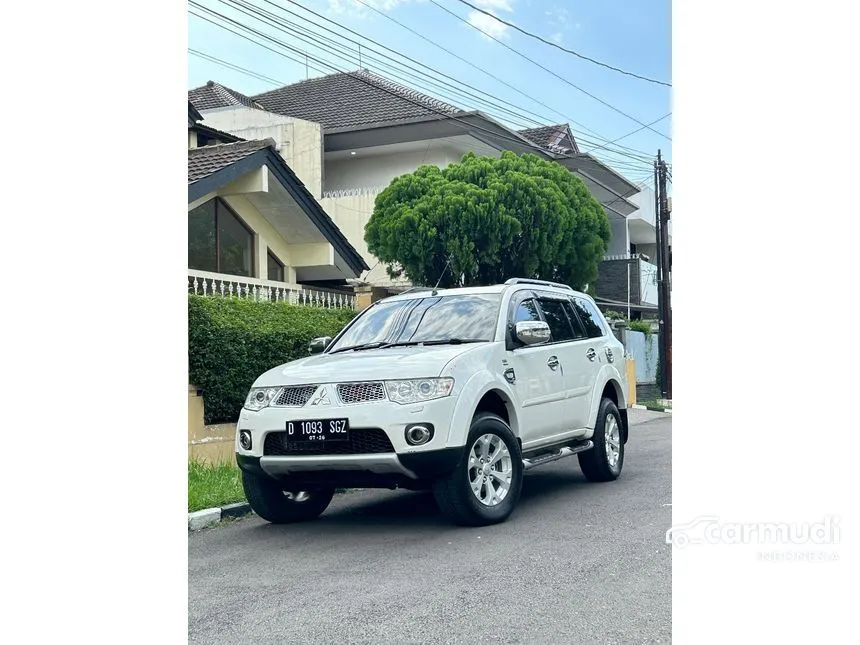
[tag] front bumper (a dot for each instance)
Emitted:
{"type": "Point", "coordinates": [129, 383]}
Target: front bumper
{"type": "Point", "coordinates": [355, 471]}
{"type": "Point", "coordinates": [394, 464]}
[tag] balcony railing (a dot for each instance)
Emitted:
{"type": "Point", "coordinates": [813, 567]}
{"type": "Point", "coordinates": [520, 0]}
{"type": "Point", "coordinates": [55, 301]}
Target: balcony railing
{"type": "Point", "coordinates": [205, 283]}
{"type": "Point", "coordinates": [627, 256]}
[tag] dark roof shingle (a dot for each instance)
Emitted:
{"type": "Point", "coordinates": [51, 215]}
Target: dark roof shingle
{"type": "Point", "coordinates": [214, 95]}
{"type": "Point", "coordinates": [555, 138]}
{"type": "Point", "coordinates": [350, 99]}
{"type": "Point", "coordinates": [208, 160]}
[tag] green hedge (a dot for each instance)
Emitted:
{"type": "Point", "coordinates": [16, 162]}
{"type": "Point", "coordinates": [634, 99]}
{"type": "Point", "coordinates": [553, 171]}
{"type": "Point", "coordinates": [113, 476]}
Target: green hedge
{"type": "Point", "coordinates": [232, 341]}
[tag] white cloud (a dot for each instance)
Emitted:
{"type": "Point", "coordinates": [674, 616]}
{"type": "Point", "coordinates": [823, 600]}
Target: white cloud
{"type": "Point", "coordinates": [342, 6]}
{"type": "Point", "coordinates": [490, 5]}
{"type": "Point", "coordinates": [487, 24]}
{"type": "Point", "coordinates": [557, 38]}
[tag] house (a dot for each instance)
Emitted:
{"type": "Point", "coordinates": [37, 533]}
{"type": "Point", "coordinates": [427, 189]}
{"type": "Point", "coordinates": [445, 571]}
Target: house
{"type": "Point", "coordinates": [627, 280]}
{"type": "Point", "coordinates": [254, 229]}
{"type": "Point", "coordinates": [347, 135]}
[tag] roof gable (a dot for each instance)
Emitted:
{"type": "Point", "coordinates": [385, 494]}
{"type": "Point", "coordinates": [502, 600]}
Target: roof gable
{"type": "Point", "coordinates": [212, 167]}
{"type": "Point", "coordinates": [350, 99]}
{"type": "Point", "coordinates": [214, 95]}
{"type": "Point", "coordinates": [555, 138]}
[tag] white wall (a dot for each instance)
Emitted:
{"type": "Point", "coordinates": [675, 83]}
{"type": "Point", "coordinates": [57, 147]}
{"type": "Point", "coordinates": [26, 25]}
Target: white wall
{"type": "Point", "coordinates": [299, 142]}
{"type": "Point", "coordinates": [618, 244]}
{"type": "Point", "coordinates": [645, 201]}
{"type": "Point", "coordinates": [377, 171]}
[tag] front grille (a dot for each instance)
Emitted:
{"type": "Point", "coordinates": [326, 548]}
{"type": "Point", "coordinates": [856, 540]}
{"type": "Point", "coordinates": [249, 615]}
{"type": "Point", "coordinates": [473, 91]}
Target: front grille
{"type": "Point", "coordinates": [362, 441]}
{"type": "Point", "coordinates": [295, 396]}
{"type": "Point", "coordinates": [360, 392]}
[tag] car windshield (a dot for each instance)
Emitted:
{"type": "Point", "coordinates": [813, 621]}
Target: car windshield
{"type": "Point", "coordinates": [434, 319]}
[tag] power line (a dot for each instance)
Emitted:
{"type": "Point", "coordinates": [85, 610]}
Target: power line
{"type": "Point", "coordinates": [633, 132]}
{"type": "Point", "coordinates": [334, 47]}
{"type": "Point", "coordinates": [646, 157]}
{"type": "Point", "coordinates": [549, 71]}
{"type": "Point", "coordinates": [224, 63]}
{"type": "Point", "coordinates": [502, 81]}
{"type": "Point", "coordinates": [466, 126]}
{"type": "Point", "coordinates": [564, 49]}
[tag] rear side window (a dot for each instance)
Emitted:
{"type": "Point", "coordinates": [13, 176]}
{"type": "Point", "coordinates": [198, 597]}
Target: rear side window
{"type": "Point", "coordinates": [578, 329]}
{"type": "Point", "coordinates": [590, 317]}
{"type": "Point", "coordinates": [556, 318]}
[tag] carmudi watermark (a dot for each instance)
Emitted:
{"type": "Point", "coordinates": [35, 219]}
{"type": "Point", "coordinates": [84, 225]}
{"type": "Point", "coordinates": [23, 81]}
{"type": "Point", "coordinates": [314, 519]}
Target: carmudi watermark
{"type": "Point", "coordinates": [709, 529]}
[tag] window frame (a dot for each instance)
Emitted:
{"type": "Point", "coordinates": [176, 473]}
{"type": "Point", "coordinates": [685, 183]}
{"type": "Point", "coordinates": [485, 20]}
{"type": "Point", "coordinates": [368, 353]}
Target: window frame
{"type": "Point", "coordinates": [599, 322]}
{"type": "Point", "coordinates": [561, 302]}
{"type": "Point", "coordinates": [271, 254]}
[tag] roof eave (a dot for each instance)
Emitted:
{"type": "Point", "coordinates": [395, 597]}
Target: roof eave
{"type": "Point", "coordinates": [297, 190]}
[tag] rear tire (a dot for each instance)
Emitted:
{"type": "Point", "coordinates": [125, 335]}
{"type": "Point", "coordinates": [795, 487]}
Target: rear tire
{"type": "Point", "coordinates": [270, 501]}
{"type": "Point", "coordinates": [485, 485]}
{"type": "Point", "coordinates": [603, 463]}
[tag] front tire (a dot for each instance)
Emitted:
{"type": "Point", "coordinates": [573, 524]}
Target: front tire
{"type": "Point", "coordinates": [270, 501]}
{"type": "Point", "coordinates": [603, 463]}
{"type": "Point", "coordinates": [485, 485]}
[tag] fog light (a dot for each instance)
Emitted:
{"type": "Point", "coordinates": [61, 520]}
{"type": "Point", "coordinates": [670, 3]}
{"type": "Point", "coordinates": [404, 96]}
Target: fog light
{"type": "Point", "coordinates": [245, 439]}
{"type": "Point", "coordinates": [419, 433]}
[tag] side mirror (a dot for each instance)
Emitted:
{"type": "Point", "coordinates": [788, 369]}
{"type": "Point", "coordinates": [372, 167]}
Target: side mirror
{"type": "Point", "coordinates": [532, 332]}
{"type": "Point", "coordinates": [317, 345]}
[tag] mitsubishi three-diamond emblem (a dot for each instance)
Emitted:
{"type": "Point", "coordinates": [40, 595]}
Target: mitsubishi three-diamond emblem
{"type": "Point", "coordinates": [320, 397]}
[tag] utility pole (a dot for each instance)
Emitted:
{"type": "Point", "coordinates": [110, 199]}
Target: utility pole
{"type": "Point", "coordinates": [663, 280]}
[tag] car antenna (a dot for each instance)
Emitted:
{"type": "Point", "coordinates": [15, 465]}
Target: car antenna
{"type": "Point", "coordinates": [441, 275]}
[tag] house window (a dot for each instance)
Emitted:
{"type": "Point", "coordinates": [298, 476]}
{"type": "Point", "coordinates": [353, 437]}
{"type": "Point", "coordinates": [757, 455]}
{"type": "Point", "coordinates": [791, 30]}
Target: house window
{"type": "Point", "coordinates": [275, 267]}
{"type": "Point", "coordinates": [219, 241]}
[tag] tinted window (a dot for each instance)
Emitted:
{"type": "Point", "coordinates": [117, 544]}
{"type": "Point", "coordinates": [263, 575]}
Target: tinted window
{"type": "Point", "coordinates": [589, 317]}
{"type": "Point", "coordinates": [556, 318]}
{"type": "Point", "coordinates": [578, 329]}
{"type": "Point", "coordinates": [526, 311]}
{"type": "Point", "coordinates": [423, 319]}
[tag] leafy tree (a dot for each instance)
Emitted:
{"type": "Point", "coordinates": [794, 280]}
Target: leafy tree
{"type": "Point", "coordinates": [492, 219]}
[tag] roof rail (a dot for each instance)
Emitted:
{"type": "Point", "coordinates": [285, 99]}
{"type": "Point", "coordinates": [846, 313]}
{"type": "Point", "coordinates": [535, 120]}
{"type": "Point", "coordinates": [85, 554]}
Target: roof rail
{"type": "Point", "coordinates": [544, 283]}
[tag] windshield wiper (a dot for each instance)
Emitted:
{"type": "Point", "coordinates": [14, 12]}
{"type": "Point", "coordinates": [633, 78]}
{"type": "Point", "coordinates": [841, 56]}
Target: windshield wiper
{"type": "Point", "coordinates": [453, 341]}
{"type": "Point", "coordinates": [374, 345]}
{"type": "Point", "coordinates": [378, 344]}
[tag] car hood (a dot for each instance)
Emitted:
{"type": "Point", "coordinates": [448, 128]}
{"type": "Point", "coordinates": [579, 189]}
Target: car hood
{"type": "Point", "coordinates": [365, 365]}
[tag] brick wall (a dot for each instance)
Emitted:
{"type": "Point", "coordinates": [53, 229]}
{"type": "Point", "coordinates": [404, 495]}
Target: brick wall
{"type": "Point", "coordinates": [612, 280]}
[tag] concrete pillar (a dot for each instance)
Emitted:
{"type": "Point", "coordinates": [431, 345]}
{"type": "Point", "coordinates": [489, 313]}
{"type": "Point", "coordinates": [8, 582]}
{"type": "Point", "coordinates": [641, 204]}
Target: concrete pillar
{"type": "Point", "coordinates": [366, 295]}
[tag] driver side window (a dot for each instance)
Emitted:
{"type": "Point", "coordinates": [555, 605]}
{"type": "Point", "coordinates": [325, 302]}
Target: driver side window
{"type": "Point", "coordinates": [526, 311]}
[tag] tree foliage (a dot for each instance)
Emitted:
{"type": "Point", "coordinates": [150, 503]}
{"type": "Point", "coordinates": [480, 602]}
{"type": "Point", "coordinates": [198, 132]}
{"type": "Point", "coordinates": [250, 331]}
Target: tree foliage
{"type": "Point", "coordinates": [492, 218]}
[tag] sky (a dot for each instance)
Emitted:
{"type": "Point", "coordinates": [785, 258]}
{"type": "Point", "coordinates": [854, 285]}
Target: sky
{"type": "Point", "coordinates": [632, 35]}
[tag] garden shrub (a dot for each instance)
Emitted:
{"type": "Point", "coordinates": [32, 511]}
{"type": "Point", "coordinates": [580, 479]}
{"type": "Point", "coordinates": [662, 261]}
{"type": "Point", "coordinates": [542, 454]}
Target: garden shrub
{"type": "Point", "coordinates": [232, 341]}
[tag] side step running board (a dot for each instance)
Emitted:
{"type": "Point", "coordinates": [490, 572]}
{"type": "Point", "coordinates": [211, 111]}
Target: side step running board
{"type": "Point", "coordinates": [567, 451]}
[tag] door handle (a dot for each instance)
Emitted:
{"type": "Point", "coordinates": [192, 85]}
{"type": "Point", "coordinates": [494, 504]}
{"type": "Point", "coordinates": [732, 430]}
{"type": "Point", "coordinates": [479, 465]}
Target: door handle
{"type": "Point", "coordinates": [591, 354]}
{"type": "Point", "coordinates": [552, 362]}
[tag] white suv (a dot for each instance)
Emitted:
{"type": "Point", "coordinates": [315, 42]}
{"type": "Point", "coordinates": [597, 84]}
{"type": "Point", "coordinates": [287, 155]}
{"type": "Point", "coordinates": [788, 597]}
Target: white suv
{"type": "Point", "coordinates": [456, 390]}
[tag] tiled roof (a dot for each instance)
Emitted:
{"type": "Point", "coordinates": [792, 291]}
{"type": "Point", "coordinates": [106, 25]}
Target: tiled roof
{"type": "Point", "coordinates": [208, 160]}
{"type": "Point", "coordinates": [555, 138]}
{"type": "Point", "coordinates": [351, 99]}
{"type": "Point", "coordinates": [214, 95]}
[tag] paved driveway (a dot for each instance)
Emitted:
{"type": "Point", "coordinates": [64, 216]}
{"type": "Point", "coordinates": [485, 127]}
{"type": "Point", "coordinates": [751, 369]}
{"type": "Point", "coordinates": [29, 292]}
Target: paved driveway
{"type": "Point", "coordinates": [575, 563]}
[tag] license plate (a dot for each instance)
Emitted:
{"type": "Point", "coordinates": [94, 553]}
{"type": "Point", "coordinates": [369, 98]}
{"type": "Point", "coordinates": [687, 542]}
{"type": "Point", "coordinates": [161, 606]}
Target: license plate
{"type": "Point", "coordinates": [318, 430]}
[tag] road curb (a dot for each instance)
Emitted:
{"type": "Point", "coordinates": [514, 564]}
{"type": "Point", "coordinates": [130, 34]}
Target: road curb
{"type": "Point", "coordinates": [207, 517]}
{"type": "Point", "coordinates": [651, 408]}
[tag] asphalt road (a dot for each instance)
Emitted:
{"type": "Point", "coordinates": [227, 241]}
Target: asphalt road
{"type": "Point", "coordinates": [575, 563]}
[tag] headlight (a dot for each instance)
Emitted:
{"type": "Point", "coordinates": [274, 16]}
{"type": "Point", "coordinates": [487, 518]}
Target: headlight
{"type": "Point", "coordinates": [419, 390]}
{"type": "Point", "coordinates": [261, 397]}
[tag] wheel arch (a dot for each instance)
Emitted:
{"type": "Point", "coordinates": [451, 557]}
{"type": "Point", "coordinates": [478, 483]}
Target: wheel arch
{"type": "Point", "coordinates": [484, 393]}
{"type": "Point", "coordinates": [613, 390]}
